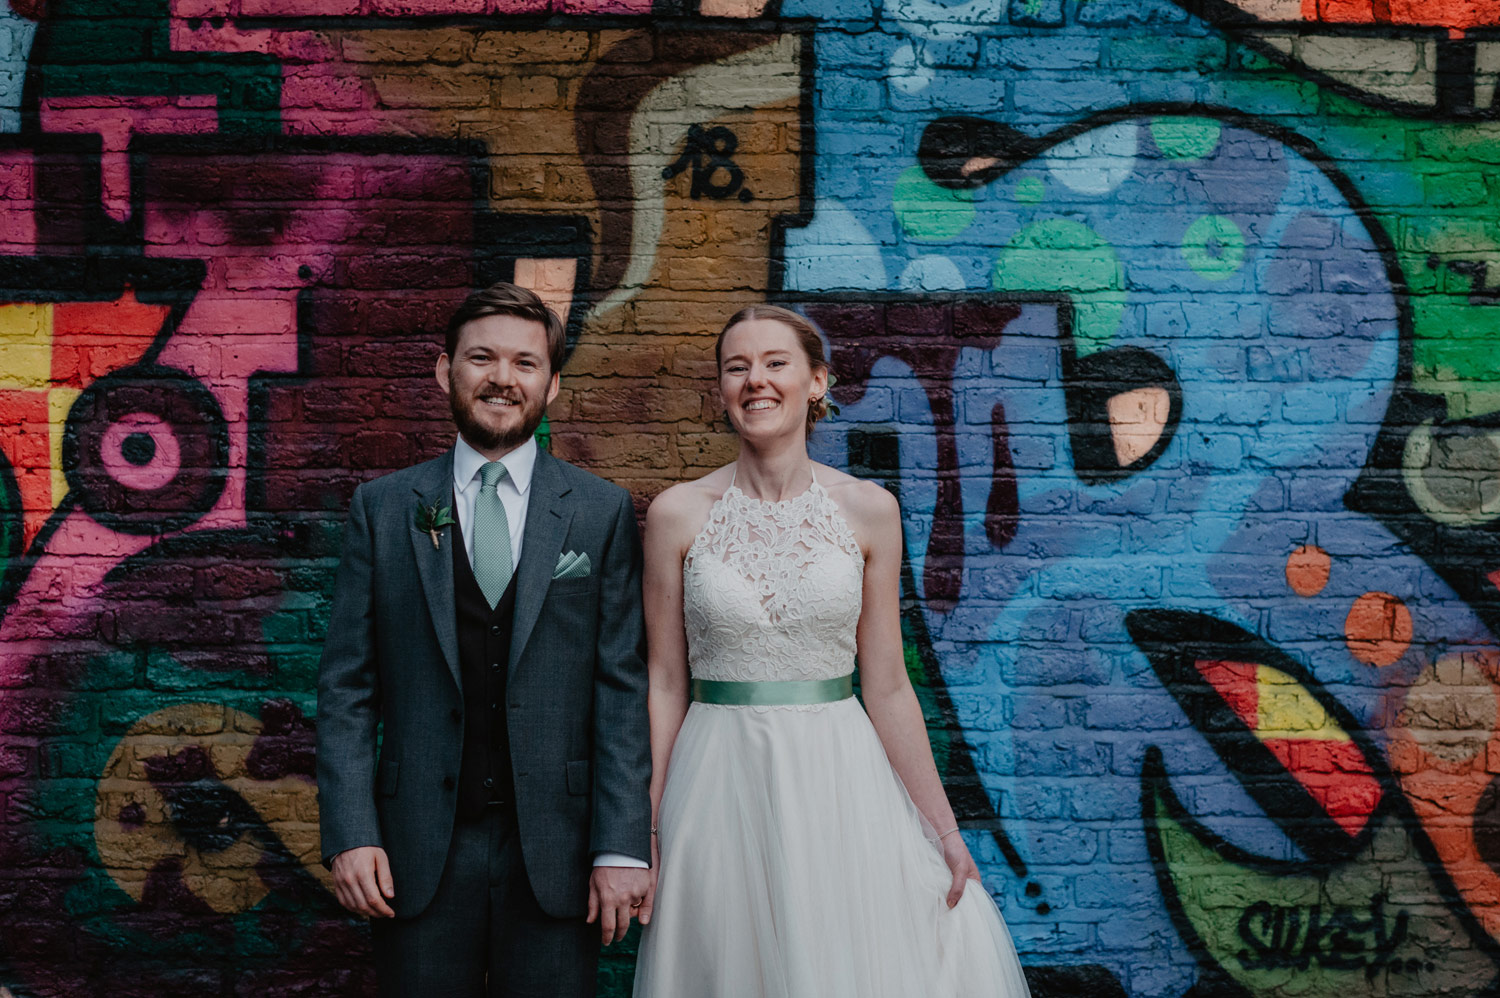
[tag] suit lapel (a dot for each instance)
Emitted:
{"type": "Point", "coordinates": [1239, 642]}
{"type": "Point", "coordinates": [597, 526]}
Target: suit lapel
{"type": "Point", "coordinates": [548, 515]}
{"type": "Point", "coordinates": [435, 565]}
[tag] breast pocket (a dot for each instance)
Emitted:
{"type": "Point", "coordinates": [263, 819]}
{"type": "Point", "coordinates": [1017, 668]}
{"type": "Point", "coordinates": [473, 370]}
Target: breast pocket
{"type": "Point", "coordinates": [579, 778]}
{"type": "Point", "coordinates": [573, 587]}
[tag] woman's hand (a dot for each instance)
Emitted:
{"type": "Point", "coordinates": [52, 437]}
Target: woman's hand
{"type": "Point", "coordinates": [650, 904]}
{"type": "Point", "coordinates": [956, 855]}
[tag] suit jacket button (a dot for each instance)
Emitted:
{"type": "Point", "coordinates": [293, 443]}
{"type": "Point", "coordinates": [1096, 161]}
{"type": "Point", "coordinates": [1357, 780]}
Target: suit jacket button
{"type": "Point", "coordinates": [489, 784]}
{"type": "Point", "coordinates": [495, 629]}
{"type": "Point", "coordinates": [447, 783]}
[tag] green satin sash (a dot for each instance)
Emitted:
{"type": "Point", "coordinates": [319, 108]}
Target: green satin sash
{"type": "Point", "coordinates": [784, 693]}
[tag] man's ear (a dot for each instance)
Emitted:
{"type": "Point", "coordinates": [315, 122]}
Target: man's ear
{"type": "Point", "coordinates": [553, 386]}
{"type": "Point", "coordinates": [443, 366]}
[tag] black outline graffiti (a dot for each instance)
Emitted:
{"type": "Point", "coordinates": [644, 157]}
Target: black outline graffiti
{"type": "Point", "coordinates": [1214, 981]}
{"type": "Point", "coordinates": [705, 152]}
{"type": "Point", "coordinates": [1454, 74]}
{"type": "Point", "coordinates": [1089, 382]}
{"type": "Point", "coordinates": [1171, 640]}
{"type": "Point", "coordinates": [194, 418]}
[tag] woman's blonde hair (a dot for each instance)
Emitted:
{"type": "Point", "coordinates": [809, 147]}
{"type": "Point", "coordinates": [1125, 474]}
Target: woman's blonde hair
{"type": "Point", "coordinates": [807, 338]}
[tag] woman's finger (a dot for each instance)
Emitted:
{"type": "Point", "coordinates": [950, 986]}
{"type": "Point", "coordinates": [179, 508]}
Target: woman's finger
{"type": "Point", "coordinates": [956, 891]}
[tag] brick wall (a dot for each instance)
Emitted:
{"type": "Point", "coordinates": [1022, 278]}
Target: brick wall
{"type": "Point", "coordinates": [1171, 325]}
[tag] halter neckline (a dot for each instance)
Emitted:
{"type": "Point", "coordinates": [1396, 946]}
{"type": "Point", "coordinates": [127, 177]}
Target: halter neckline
{"type": "Point", "coordinates": [812, 467]}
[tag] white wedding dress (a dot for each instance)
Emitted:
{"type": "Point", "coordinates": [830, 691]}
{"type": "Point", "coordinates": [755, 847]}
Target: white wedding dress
{"type": "Point", "coordinates": [793, 862]}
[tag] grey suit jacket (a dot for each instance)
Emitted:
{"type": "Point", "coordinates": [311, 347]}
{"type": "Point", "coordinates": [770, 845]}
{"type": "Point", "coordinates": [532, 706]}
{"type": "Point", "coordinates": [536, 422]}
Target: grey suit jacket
{"type": "Point", "coordinates": [576, 687]}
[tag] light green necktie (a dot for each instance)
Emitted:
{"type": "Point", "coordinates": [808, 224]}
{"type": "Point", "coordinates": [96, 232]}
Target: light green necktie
{"type": "Point", "coordinates": [492, 565]}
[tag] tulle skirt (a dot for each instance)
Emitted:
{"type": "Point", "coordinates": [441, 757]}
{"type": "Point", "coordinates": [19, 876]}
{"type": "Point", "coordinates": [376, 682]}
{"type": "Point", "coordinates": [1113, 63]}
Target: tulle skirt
{"type": "Point", "coordinates": [795, 865]}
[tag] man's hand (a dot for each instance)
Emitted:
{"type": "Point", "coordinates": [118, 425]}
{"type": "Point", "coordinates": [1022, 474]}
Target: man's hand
{"type": "Point", "coordinates": [362, 881]}
{"type": "Point", "coordinates": [616, 893]}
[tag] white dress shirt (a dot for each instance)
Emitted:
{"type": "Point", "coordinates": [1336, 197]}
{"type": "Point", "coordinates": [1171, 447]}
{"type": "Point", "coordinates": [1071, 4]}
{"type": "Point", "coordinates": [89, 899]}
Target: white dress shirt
{"type": "Point", "coordinates": [514, 491]}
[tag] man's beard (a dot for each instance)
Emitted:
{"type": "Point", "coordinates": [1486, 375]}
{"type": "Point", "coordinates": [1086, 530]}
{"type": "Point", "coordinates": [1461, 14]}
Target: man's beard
{"type": "Point", "coordinates": [484, 436]}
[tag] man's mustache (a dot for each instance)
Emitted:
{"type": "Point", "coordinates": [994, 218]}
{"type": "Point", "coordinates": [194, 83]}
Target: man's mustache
{"type": "Point", "coordinates": [491, 391]}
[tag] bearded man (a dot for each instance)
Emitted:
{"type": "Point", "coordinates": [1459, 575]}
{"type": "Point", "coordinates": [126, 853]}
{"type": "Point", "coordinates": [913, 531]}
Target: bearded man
{"type": "Point", "coordinates": [483, 746]}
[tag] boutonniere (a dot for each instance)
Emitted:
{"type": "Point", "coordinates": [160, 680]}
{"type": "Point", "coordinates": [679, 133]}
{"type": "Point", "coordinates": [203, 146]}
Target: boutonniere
{"type": "Point", "coordinates": [431, 518]}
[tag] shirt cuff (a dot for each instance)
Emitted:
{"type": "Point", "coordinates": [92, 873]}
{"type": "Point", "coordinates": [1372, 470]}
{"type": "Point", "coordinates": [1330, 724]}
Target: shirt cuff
{"type": "Point", "coordinates": [620, 859]}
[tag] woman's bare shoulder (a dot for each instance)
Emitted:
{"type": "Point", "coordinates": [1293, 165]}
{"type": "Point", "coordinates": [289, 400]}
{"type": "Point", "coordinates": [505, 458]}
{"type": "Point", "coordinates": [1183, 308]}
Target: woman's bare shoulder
{"type": "Point", "coordinates": [679, 510]}
{"type": "Point", "coordinates": [870, 509]}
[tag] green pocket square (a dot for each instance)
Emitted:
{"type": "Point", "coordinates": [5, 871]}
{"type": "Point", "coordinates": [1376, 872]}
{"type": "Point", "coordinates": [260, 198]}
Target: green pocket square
{"type": "Point", "coordinates": [572, 565]}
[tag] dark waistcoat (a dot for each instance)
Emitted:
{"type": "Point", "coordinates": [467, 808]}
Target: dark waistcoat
{"type": "Point", "coordinates": [484, 774]}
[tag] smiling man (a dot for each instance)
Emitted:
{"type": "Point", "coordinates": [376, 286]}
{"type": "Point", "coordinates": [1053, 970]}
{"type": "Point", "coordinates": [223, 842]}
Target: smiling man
{"type": "Point", "coordinates": [487, 613]}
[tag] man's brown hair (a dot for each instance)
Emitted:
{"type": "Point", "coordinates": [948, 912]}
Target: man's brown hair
{"type": "Point", "coordinates": [504, 298]}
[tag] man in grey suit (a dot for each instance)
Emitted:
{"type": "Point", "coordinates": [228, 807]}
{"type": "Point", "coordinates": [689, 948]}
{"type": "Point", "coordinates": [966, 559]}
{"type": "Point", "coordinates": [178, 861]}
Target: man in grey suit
{"type": "Point", "coordinates": [483, 745]}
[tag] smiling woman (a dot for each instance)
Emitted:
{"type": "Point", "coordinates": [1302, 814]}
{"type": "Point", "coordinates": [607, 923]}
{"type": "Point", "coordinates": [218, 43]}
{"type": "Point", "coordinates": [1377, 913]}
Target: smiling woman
{"type": "Point", "coordinates": [781, 336]}
{"type": "Point", "coordinates": [764, 581]}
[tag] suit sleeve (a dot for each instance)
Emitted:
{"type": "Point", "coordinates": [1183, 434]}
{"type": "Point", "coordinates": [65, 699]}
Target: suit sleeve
{"type": "Point", "coordinates": [349, 698]}
{"type": "Point", "coordinates": [622, 739]}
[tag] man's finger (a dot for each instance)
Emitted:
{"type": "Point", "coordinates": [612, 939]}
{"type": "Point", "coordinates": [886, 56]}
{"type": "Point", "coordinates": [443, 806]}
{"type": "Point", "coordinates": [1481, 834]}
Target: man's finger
{"type": "Point", "coordinates": [353, 902]}
{"type": "Point", "coordinates": [374, 903]}
{"type": "Point", "coordinates": [348, 898]}
{"type": "Point", "coordinates": [383, 874]}
{"type": "Point", "coordinates": [644, 911]}
{"type": "Point", "coordinates": [606, 924]}
{"type": "Point", "coordinates": [622, 920]}
{"type": "Point", "coordinates": [593, 902]}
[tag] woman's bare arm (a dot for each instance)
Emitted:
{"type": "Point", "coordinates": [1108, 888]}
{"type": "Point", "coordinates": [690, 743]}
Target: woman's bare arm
{"type": "Point", "coordinates": [887, 692]}
{"type": "Point", "coordinates": [668, 521]}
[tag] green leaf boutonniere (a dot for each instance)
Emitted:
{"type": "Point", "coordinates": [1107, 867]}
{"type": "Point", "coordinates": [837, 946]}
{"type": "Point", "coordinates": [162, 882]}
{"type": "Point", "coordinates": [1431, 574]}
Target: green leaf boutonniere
{"type": "Point", "coordinates": [431, 518]}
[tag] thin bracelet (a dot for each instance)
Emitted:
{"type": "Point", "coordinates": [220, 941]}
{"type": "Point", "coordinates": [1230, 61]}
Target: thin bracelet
{"type": "Point", "coordinates": [947, 833]}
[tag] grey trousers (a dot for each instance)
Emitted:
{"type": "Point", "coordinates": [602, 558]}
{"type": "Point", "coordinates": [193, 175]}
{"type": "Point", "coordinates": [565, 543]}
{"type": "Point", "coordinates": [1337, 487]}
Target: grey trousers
{"type": "Point", "coordinates": [484, 935]}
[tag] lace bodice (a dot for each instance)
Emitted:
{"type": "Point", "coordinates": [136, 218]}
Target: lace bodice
{"type": "Point", "coordinates": [772, 590]}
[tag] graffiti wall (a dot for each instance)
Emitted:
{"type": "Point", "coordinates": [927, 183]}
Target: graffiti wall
{"type": "Point", "coordinates": [1171, 324]}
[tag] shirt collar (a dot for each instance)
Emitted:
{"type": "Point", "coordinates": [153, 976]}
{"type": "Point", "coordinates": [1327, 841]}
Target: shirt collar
{"type": "Point", "coordinates": [519, 464]}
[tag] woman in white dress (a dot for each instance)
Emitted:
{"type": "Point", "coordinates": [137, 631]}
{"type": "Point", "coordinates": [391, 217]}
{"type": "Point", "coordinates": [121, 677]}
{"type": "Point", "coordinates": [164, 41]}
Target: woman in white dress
{"type": "Point", "coordinates": [806, 849]}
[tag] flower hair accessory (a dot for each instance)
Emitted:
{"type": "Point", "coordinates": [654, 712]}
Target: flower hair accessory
{"type": "Point", "coordinates": [828, 402]}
